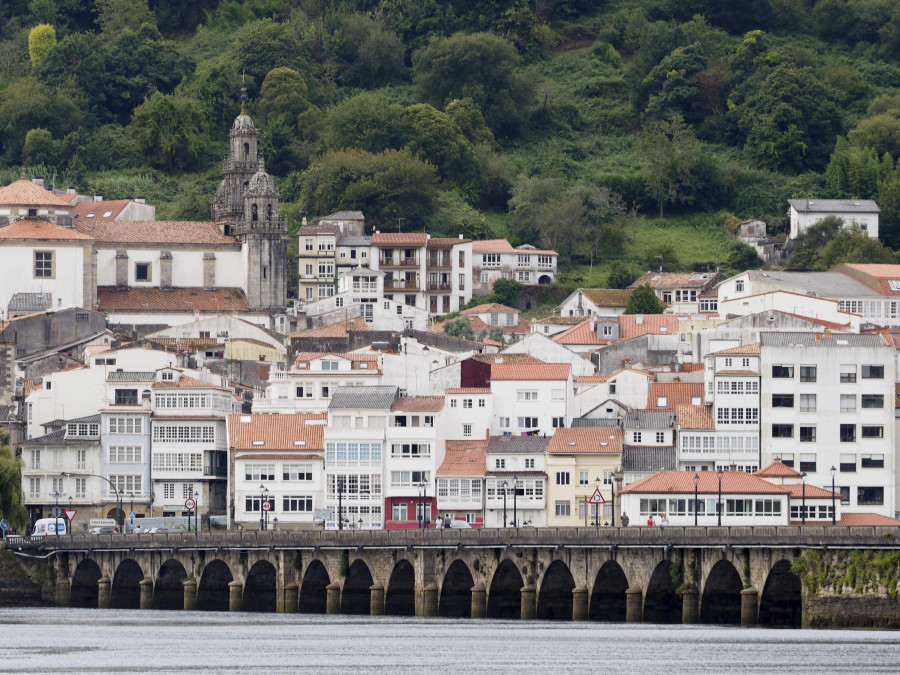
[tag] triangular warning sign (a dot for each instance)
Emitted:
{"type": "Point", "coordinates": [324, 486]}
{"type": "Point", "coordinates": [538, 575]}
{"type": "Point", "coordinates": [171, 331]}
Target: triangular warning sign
{"type": "Point", "coordinates": [596, 498]}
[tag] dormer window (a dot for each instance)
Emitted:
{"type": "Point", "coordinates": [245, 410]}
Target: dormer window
{"type": "Point", "coordinates": [168, 376]}
{"type": "Point", "coordinates": [329, 365]}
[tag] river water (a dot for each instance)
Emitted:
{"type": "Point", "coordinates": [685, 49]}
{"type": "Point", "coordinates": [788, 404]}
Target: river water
{"type": "Point", "coordinates": [65, 640]}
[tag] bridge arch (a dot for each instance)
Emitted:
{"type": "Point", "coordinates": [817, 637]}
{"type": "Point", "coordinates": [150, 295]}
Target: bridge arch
{"type": "Point", "coordinates": [721, 600]}
{"type": "Point", "coordinates": [313, 589]}
{"type": "Point", "coordinates": [168, 592]}
{"type": "Point", "coordinates": [85, 586]}
{"type": "Point", "coordinates": [505, 596]}
{"type": "Point", "coordinates": [400, 594]}
{"type": "Point", "coordinates": [608, 600]}
{"type": "Point", "coordinates": [213, 593]}
{"type": "Point", "coordinates": [456, 592]}
{"type": "Point", "coordinates": [781, 603]}
{"type": "Point", "coordinates": [555, 596]}
{"type": "Point", "coordinates": [662, 604]}
{"type": "Point", "coordinates": [259, 588]}
{"type": "Point", "coordinates": [126, 585]}
{"type": "Point", "coordinates": [355, 595]}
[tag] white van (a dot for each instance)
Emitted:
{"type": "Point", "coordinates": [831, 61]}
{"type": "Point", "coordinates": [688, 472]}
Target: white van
{"type": "Point", "coordinates": [49, 526]}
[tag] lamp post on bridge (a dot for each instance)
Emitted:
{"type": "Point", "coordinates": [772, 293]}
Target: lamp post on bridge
{"type": "Point", "coordinates": [515, 505]}
{"type": "Point", "coordinates": [719, 471]}
{"type": "Point", "coordinates": [262, 494]}
{"type": "Point", "coordinates": [340, 491]}
{"type": "Point", "coordinates": [597, 506]}
{"type": "Point", "coordinates": [56, 494]}
{"type": "Point", "coordinates": [696, 501]}
{"type": "Point", "coordinates": [131, 511]}
{"type": "Point", "coordinates": [197, 513]}
{"type": "Point", "coordinates": [803, 500]}
{"type": "Point", "coordinates": [504, 484]}
{"type": "Point", "coordinates": [618, 476]}
{"type": "Point", "coordinates": [833, 505]}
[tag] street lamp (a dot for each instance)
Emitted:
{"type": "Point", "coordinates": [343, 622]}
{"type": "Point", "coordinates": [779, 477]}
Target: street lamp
{"type": "Point", "coordinates": [719, 471]}
{"type": "Point", "coordinates": [515, 505]}
{"type": "Point", "coordinates": [131, 511]}
{"type": "Point", "coordinates": [803, 502]}
{"type": "Point", "coordinates": [504, 502]}
{"type": "Point", "coordinates": [360, 523]}
{"type": "Point", "coordinates": [696, 501]}
{"type": "Point", "coordinates": [197, 513]}
{"type": "Point", "coordinates": [275, 524]}
{"type": "Point", "coordinates": [597, 506]}
{"type": "Point", "coordinates": [833, 506]}
{"type": "Point", "coordinates": [56, 494]}
{"type": "Point", "coordinates": [118, 496]}
{"type": "Point", "coordinates": [266, 511]}
{"type": "Point", "coordinates": [340, 491]}
{"type": "Point", "coordinates": [262, 496]}
{"type": "Point", "coordinates": [618, 476]}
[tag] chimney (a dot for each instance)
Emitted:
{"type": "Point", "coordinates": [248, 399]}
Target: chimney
{"type": "Point", "coordinates": [827, 333]}
{"type": "Point", "coordinates": [70, 191]}
{"type": "Point", "coordinates": [140, 199]}
{"type": "Point", "coordinates": [461, 235]}
{"type": "Point", "coordinates": [639, 319]}
{"type": "Point", "coordinates": [37, 180]}
{"type": "Point", "coordinates": [818, 338]}
{"type": "Point", "coordinates": [303, 222]}
{"type": "Point", "coordinates": [98, 198]}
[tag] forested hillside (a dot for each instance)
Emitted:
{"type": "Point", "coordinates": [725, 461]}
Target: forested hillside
{"type": "Point", "coordinates": [623, 133]}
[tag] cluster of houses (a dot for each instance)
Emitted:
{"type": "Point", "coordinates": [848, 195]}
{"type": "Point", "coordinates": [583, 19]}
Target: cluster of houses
{"type": "Point", "coordinates": [157, 369]}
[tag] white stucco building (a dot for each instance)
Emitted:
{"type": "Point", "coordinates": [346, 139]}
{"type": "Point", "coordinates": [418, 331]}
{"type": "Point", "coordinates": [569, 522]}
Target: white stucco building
{"type": "Point", "coordinates": [807, 212]}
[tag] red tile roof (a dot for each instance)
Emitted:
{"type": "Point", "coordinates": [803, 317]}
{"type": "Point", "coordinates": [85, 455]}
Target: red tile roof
{"type": "Point", "coordinates": [582, 440]}
{"type": "Point", "coordinates": [491, 343]}
{"type": "Point", "coordinates": [277, 432]}
{"type": "Point", "coordinates": [635, 325]}
{"type": "Point", "coordinates": [490, 307]}
{"type": "Point", "coordinates": [333, 330]}
{"type": "Point", "coordinates": [446, 242]}
{"type": "Point", "coordinates": [676, 393]}
{"type": "Point", "coordinates": [530, 371]}
{"type": "Point", "coordinates": [25, 193]}
{"type": "Point", "coordinates": [411, 239]}
{"type": "Point", "coordinates": [752, 348]}
{"type": "Point", "coordinates": [673, 279]}
{"type": "Point", "coordinates": [737, 372]}
{"type": "Point", "coordinates": [104, 210]}
{"type": "Point", "coordinates": [875, 276]}
{"type": "Point", "coordinates": [281, 455]}
{"type": "Point", "coordinates": [185, 382]}
{"type": "Point", "coordinates": [682, 482]}
{"type": "Point", "coordinates": [176, 300]}
{"type": "Point", "coordinates": [33, 228]}
{"type": "Point", "coordinates": [464, 458]}
{"type": "Point", "coordinates": [160, 232]}
{"type": "Point", "coordinates": [582, 334]}
{"type": "Point", "coordinates": [866, 519]}
{"type": "Point", "coordinates": [307, 357]}
{"type": "Point", "coordinates": [419, 404]}
{"type": "Point", "coordinates": [506, 357]}
{"type": "Point", "coordinates": [778, 470]}
{"type": "Point", "coordinates": [492, 246]}
{"type": "Point", "coordinates": [693, 417]}
{"type": "Point", "coordinates": [467, 390]}
{"type": "Point", "coordinates": [812, 492]}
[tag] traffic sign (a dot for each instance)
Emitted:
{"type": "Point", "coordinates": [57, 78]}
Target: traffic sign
{"type": "Point", "coordinates": [189, 504]}
{"type": "Point", "coordinates": [4, 525]}
{"type": "Point", "coordinates": [131, 514]}
{"type": "Point", "coordinates": [596, 498]}
{"type": "Point", "coordinates": [267, 506]}
{"type": "Point", "coordinates": [70, 514]}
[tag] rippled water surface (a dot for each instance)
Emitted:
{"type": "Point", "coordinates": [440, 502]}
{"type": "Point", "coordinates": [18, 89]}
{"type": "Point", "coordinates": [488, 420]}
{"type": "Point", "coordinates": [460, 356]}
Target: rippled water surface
{"type": "Point", "coordinates": [59, 640]}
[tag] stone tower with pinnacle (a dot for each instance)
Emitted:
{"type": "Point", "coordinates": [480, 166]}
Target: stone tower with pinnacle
{"type": "Point", "coordinates": [246, 203]}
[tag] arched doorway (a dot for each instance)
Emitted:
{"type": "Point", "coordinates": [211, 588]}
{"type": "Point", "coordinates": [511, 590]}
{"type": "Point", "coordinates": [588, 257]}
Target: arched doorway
{"type": "Point", "coordinates": [313, 589]}
{"type": "Point", "coordinates": [213, 594]}
{"type": "Point", "coordinates": [168, 592]}
{"type": "Point", "coordinates": [721, 601]}
{"type": "Point", "coordinates": [126, 585]}
{"type": "Point", "coordinates": [118, 515]}
{"type": "Point", "coordinates": [85, 589]}
{"type": "Point", "coordinates": [608, 600]}
{"type": "Point", "coordinates": [400, 594]}
{"type": "Point", "coordinates": [355, 596]}
{"type": "Point", "coordinates": [456, 592]}
{"type": "Point", "coordinates": [662, 603]}
{"type": "Point", "coordinates": [781, 603]}
{"type": "Point", "coordinates": [555, 599]}
{"type": "Point", "coordinates": [505, 596]}
{"type": "Point", "coordinates": [259, 588]}
{"type": "Point", "coordinates": [544, 279]}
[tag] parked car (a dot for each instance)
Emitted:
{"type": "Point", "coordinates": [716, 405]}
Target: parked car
{"type": "Point", "coordinates": [460, 524]}
{"type": "Point", "coordinates": [102, 530]}
{"type": "Point", "coordinates": [156, 530]}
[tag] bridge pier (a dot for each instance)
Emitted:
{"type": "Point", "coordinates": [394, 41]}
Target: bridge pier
{"type": "Point", "coordinates": [749, 606]}
{"type": "Point", "coordinates": [690, 606]}
{"type": "Point", "coordinates": [529, 609]}
{"type": "Point", "coordinates": [235, 596]}
{"type": "Point", "coordinates": [64, 592]}
{"type": "Point", "coordinates": [430, 600]}
{"type": "Point", "coordinates": [289, 599]}
{"type": "Point", "coordinates": [579, 604]}
{"type": "Point", "coordinates": [190, 594]}
{"type": "Point", "coordinates": [333, 598]}
{"type": "Point", "coordinates": [634, 605]}
{"type": "Point", "coordinates": [376, 599]}
{"type": "Point", "coordinates": [479, 601]}
{"type": "Point", "coordinates": [104, 598]}
{"type": "Point", "coordinates": [146, 586]}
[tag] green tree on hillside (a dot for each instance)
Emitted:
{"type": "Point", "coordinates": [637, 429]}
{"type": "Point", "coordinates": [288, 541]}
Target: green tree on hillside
{"type": "Point", "coordinates": [853, 246]}
{"type": "Point", "coordinates": [671, 149]}
{"type": "Point", "coordinates": [370, 54]}
{"type": "Point", "coordinates": [11, 507]}
{"type": "Point", "coordinates": [116, 15]}
{"type": "Point", "coordinates": [434, 137]}
{"type": "Point", "coordinates": [815, 237]}
{"type": "Point", "coordinates": [460, 327]}
{"type": "Point", "coordinates": [368, 121]}
{"type": "Point", "coordinates": [644, 301]}
{"type": "Point", "coordinates": [41, 38]}
{"type": "Point", "coordinates": [169, 131]}
{"type": "Point", "coordinates": [543, 211]}
{"type": "Point", "coordinates": [507, 291]}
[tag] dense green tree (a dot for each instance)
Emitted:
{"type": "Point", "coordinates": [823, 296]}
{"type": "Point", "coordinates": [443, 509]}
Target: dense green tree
{"type": "Point", "coordinates": [177, 16]}
{"type": "Point", "coordinates": [12, 507]}
{"type": "Point", "coordinates": [807, 245]}
{"type": "Point", "coordinates": [385, 186]}
{"type": "Point", "coordinates": [417, 21]}
{"type": "Point", "coordinates": [40, 148]}
{"type": "Point", "coordinates": [369, 53]}
{"type": "Point", "coordinates": [215, 85]}
{"type": "Point", "coordinates": [289, 121]}
{"type": "Point", "coordinates": [368, 121]}
{"type": "Point", "coordinates": [477, 66]}
{"type": "Point", "coordinates": [644, 301]}
{"type": "Point", "coordinates": [116, 15]}
{"type": "Point", "coordinates": [460, 327]}
{"type": "Point", "coordinates": [621, 275]}
{"type": "Point", "coordinates": [507, 292]}
{"type": "Point", "coordinates": [673, 85]}
{"type": "Point", "coordinates": [662, 257]}
{"type": "Point", "coordinates": [111, 147]}
{"type": "Point", "coordinates": [265, 44]}
{"type": "Point", "coordinates": [852, 245]}
{"type": "Point", "coordinates": [889, 203]}
{"type": "Point", "coordinates": [455, 216]}
{"type": "Point", "coordinates": [169, 131]}
{"type": "Point", "coordinates": [468, 117]}
{"type": "Point", "coordinates": [434, 137]}
{"type": "Point", "coordinates": [495, 187]}
{"type": "Point", "coordinates": [881, 132]}
{"type": "Point", "coordinates": [543, 211]}
{"type": "Point", "coordinates": [742, 257]}
{"type": "Point", "coordinates": [27, 105]}
{"type": "Point", "coordinates": [671, 149]}
{"type": "Point", "coordinates": [41, 38]}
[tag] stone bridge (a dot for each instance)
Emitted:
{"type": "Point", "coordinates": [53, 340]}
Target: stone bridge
{"type": "Point", "coordinates": [726, 575]}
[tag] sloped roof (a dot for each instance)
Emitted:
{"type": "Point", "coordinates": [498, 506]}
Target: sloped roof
{"type": "Point", "coordinates": [30, 302]}
{"type": "Point", "coordinates": [846, 340]}
{"type": "Point", "coordinates": [674, 279]}
{"type": "Point", "coordinates": [834, 205]}
{"type": "Point", "coordinates": [419, 404]}
{"type": "Point", "coordinates": [607, 297]}
{"type": "Point", "coordinates": [277, 432]}
{"type": "Point", "coordinates": [506, 357]}
{"type": "Point", "coordinates": [778, 470]}
{"type": "Point", "coordinates": [318, 228]}
{"type": "Point", "coordinates": [355, 358]}
{"type": "Point", "coordinates": [752, 348]}
{"type": "Point", "coordinates": [109, 298]}
{"type": "Point", "coordinates": [59, 438]}
{"type": "Point", "coordinates": [875, 276]}
{"type": "Point", "coordinates": [467, 390]}
{"type": "Point", "coordinates": [411, 239]}
{"type": "Point", "coordinates": [693, 417]}
{"type": "Point", "coordinates": [582, 440]}
{"type": "Point", "coordinates": [676, 393]}
{"type": "Point", "coordinates": [492, 246]}
{"type": "Point", "coordinates": [635, 325]}
{"type": "Point", "coordinates": [641, 459]}
{"type": "Point", "coordinates": [682, 482]}
{"type": "Point", "coordinates": [582, 334]}
{"type": "Point", "coordinates": [26, 193]}
{"type": "Point", "coordinates": [554, 320]}
{"type": "Point", "coordinates": [648, 419]}
{"type": "Point", "coordinates": [105, 210]}
{"type": "Point", "coordinates": [446, 242]}
{"type": "Point", "coordinates": [333, 330]}
{"type": "Point", "coordinates": [596, 422]}
{"type": "Point", "coordinates": [490, 307]}
{"type": "Point", "coordinates": [796, 491]}
{"type": "Point", "coordinates": [160, 232]}
{"type": "Point", "coordinates": [345, 215]}
{"type": "Point", "coordinates": [862, 519]}
{"type": "Point", "coordinates": [464, 458]}
{"type": "Point", "coordinates": [530, 371]}
{"type": "Point", "coordinates": [42, 230]}
{"type": "Point", "coordinates": [377, 397]}
{"type": "Point", "coordinates": [517, 444]}
{"type": "Point", "coordinates": [185, 382]}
